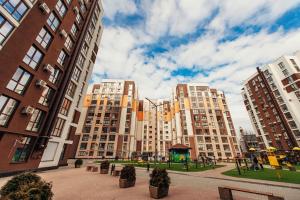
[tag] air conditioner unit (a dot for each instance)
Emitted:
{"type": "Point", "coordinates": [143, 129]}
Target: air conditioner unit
{"type": "Point", "coordinates": [76, 10]}
{"type": "Point", "coordinates": [28, 110]}
{"type": "Point", "coordinates": [41, 83]}
{"type": "Point", "coordinates": [44, 8]}
{"type": "Point", "coordinates": [63, 33]}
{"type": "Point", "coordinates": [48, 68]}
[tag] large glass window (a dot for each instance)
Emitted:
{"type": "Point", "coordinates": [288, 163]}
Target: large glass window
{"type": "Point", "coordinates": [46, 97]}
{"type": "Point", "coordinates": [65, 107]}
{"type": "Point", "coordinates": [61, 57]}
{"type": "Point", "coordinates": [76, 74]}
{"type": "Point", "coordinates": [5, 29]}
{"type": "Point", "coordinates": [53, 21]}
{"type": "Point", "coordinates": [22, 149]}
{"type": "Point", "coordinates": [33, 57]}
{"type": "Point", "coordinates": [44, 38]}
{"type": "Point", "coordinates": [59, 125]}
{"type": "Point", "coordinates": [80, 61]}
{"type": "Point", "coordinates": [35, 121]}
{"type": "Point", "coordinates": [69, 43]}
{"type": "Point", "coordinates": [7, 108]}
{"type": "Point", "coordinates": [61, 8]}
{"type": "Point", "coordinates": [54, 76]}
{"type": "Point", "coordinates": [71, 89]}
{"type": "Point", "coordinates": [19, 81]}
{"type": "Point", "coordinates": [78, 18]}
{"type": "Point", "coordinates": [16, 8]}
{"type": "Point", "coordinates": [74, 30]}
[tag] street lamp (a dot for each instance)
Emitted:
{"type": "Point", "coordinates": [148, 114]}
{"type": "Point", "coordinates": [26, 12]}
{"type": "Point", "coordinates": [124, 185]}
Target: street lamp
{"type": "Point", "coordinates": [156, 126]}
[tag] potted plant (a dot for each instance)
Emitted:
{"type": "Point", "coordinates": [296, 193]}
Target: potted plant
{"type": "Point", "coordinates": [26, 186]}
{"type": "Point", "coordinates": [127, 177]}
{"type": "Point", "coordinates": [159, 183]}
{"type": "Point", "coordinates": [104, 167]}
{"type": "Point", "coordinates": [78, 163]}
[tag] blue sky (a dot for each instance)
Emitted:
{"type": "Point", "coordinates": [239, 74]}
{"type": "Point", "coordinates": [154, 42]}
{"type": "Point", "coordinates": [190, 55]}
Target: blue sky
{"type": "Point", "coordinates": [159, 43]}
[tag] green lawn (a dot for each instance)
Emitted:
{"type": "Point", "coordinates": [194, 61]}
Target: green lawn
{"type": "Point", "coordinates": [267, 174]}
{"type": "Point", "coordinates": [179, 167]}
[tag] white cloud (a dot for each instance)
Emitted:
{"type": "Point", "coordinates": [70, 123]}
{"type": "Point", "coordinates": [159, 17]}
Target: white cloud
{"type": "Point", "coordinates": [112, 7]}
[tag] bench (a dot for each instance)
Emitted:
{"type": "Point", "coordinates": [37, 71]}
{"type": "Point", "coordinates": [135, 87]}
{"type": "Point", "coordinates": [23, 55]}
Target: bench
{"type": "Point", "coordinates": [226, 193]}
{"type": "Point", "coordinates": [116, 172]}
{"type": "Point", "coordinates": [91, 168]}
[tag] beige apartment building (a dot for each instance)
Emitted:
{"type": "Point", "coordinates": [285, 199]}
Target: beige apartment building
{"type": "Point", "coordinates": [116, 123]}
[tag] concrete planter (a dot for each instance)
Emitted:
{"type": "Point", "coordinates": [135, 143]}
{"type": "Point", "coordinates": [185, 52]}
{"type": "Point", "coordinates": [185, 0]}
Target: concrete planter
{"type": "Point", "coordinates": [104, 171]}
{"type": "Point", "coordinates": [124, 183]}
{"type": "Point", "coordinates": [158, 192]}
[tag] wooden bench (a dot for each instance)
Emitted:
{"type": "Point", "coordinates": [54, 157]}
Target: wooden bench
{"type": "Point", "coordinates": [226, 193]}
{"type": "Point", "coordinates": [116, 172]}
{"type": "Point", "coordinates": [91, 168]}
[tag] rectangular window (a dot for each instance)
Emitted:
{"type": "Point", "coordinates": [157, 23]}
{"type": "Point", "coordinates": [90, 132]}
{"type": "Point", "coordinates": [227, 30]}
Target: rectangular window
{"type": "Point", "coordinates": [46, 97]}
{"type": "Point", "coordinates": [59, 125]}
{"type": "Point", "coordinates": [44, 38]}
{"type": "Point", "coordinates": [68, 1]}
{"type": "Point", "coordinates": [80, 61]}
{"type": "Point", "coordinates": [88, 38]}
{"type": "Point", "coordinates": [76, 74]}
{"type": "Point", "coordinates": [61, 57]}
{"type": "Point", "coordinates": [65, 107]}
{"type": "Point", "coordinates": [69, 43]}
{"type": "Point", "coordinates": [71, 89]}
{"type": "Point", "coordinates": [7, 108]}
{"type": "Point", "coordinates": [61, 8]}
{"type": "Point", "coordinates": [54, 76]}
{"type": "Point", "coordinates": [53, 21]}
{"type": "Point", "coordinates": [17, 8]}
{"type": "Point", "coordinates": [19, 81]}
{"type": "Point", "coordinates": [33, 57]}
{"type": "Point", "coordinates": [22, 149]}
{"type": "Point", "coordinates": [5, 29]}
{"type": "Point", "coordinates": [85, 48]}
{"type": "Point", "coordinates": [35, 121]}
{"type": "Point", "coordinates": [78, 18]}
{"type": "Point", "coordinates": [74, 30]}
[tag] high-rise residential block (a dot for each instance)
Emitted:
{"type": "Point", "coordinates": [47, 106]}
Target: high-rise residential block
{"type": "Point", "coordinates": [47, 51]}
{"type": "Point", "coordinates": [272, 99]}
{"type": "Point", "coordinates": [203, 121]}
{"type": "Point", "coordinates": [107, 126]}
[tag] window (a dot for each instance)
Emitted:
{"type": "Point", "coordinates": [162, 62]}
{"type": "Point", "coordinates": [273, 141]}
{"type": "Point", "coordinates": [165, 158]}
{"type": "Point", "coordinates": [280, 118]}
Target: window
{"type": "Point", "coordinates": [85, 48]}
{"type": "Point", "coordinates": [35, 121]}
{"type": "Point", "coordinates": [22, 149]}
{"type": "Point", "coordinates": [281, 65]}
{"type": "Point", "coordinates": [64, 109]}
{"type": "Point", "coordinates": [53, 21]}
{"type": "Point", "coordinates": [285, 72]}
{"type": "Point", "coordinates": [33, 57]}
{"type": "Point", "coordinates": [17, 8]}
{"type": "Point", "coordinates": [5, 29]}
{"type": "Point", "coordinates": [69, 43]}
{"type": "Point", "coordinates": [74, 30]}
{"type": "Point", "coordinates": [91, 28]}
{"type": "Point", "coordinates": [68, 1]}
{"type": "Point", "coordinates": [44, 38]}
{"type": "Point", "coordinates": [59, 125]}
{"type": "Point", "coordinates": [88, 38]}
{"type": "Point", "coordinates": [61, 57]}
{"type": "Point", "coordinates": [78, 18]}
{"type": "Point", "coordinates": [76, 74]}
{"type": "Point", "coordinates": [19, 81]}
{"type": "Point", "coordinates": [61, 8]}
{"type": "Point", "coordinates": [54, 76]}
{"type": "Point", "coordinates": [82, 8]}
{"type": "Point", "coordinates": [80, 61]}
{"type": "Point", "coordinates": [71, 89]}
{"type": "Point", "coordinates": [46, 97]}
{"type": "Point", "coordinates": [7, 108]}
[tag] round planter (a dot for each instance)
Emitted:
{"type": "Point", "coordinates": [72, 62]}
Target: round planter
{"type": "Point", "coordinates": [124, 183]}
{"type": "Point", "coordinates": [158, 192]}
{"type": "Point", "coordinates": [103, 171]}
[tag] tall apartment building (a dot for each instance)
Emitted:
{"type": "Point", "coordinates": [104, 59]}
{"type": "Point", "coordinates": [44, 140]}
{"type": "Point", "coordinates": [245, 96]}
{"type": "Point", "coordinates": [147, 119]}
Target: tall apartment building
{"type": "Point", "coordinates": [47, 48]}
{"type": "Point", "coordinates": [203, 121]}
{"type": "Point", "coordinates": [107, 126]}
{"type": "Point", "coordinates": [248, 140]}
{"type": "Point", "coordinates": [272, 99]}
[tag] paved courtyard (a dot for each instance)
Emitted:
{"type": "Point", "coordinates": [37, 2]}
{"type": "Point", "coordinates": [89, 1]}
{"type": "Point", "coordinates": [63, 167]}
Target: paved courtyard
{"type": "Point", "coordinates": [78, 184]}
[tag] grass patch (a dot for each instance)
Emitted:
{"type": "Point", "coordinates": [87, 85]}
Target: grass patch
{"type": "Point", "coordinates": [267, 174]}
{"type": "Point", "coordinates": [179, 167]}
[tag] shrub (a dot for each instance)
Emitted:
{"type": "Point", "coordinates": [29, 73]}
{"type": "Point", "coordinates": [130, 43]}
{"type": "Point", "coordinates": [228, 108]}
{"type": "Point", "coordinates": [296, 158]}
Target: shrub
{"type": "Point", "coordinates": [128, 173]}
{"type": "Point", "coordinates": [159, 178]}
{"type": "Point", "coordinates": [78, 162]}
{"type": "Point", "coordinates": [26, 186]}
{"type": "Point", "coordinates": [104, 164]}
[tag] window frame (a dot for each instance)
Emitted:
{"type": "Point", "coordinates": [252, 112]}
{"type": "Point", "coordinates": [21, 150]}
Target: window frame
{"type": "Point", "coordinates": [33, 63]}
{"type": "Point", "coordinates": [18, 81]}
{"type": "Point", "coordinates": [7, 111]}
{"type": "Point", "coordinates": [5, 35]}
{"type": "Point", "coordinates": [35, 121]}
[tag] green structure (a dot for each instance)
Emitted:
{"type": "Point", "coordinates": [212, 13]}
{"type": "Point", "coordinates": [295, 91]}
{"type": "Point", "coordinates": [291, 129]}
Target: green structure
{"type": "Point", "coordinates": [179, 153]}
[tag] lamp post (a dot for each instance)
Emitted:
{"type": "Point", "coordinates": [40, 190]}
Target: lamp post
{"type": "Point", "coordinates": [156, 126]}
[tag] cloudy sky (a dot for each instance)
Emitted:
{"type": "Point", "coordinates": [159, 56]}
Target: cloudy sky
{"type": "Point", "coordinates": [159, 43]}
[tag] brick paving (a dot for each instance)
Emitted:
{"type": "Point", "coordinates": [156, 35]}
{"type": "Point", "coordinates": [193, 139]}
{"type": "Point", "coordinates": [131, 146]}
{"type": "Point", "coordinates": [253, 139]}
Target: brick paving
{"type": "Point", "coordinates": [78, 184]}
